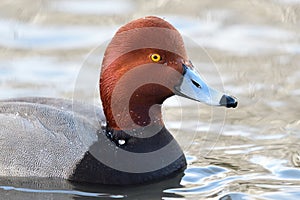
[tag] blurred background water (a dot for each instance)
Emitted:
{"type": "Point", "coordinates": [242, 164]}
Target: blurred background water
{"type": "Point", "coordinates": [248, 48]}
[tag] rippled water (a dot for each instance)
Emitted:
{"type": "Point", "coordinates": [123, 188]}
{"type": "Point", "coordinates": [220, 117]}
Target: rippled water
{"type": "Point", "coordinates": [248, 48]}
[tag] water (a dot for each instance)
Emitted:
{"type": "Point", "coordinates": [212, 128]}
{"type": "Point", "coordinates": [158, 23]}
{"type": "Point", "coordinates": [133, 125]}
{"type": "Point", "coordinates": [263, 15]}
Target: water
{"type": "Point", "coordinates": [249, 49]}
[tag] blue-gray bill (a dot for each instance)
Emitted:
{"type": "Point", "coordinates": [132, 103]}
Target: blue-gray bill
{"type": "Point", "coordinates": [193, 87]}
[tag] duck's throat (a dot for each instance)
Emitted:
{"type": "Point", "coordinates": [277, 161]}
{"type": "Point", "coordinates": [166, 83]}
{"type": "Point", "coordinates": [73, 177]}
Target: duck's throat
{"type": "Point", "coordinates": [145, 115]}
{"type": "Point", "coordinates": [141, 108]}
{"type": "Point", "coordinates": [126, 110]}
{"type": "Point", "coordinates": [134, 116]}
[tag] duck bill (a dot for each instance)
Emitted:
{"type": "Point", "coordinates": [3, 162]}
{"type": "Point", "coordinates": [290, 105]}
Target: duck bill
{"type": "Point", "coordinates": [193, 87]}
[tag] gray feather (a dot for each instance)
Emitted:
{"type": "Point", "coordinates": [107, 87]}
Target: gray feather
{"type": "Point", "coordinates": [45, 137]}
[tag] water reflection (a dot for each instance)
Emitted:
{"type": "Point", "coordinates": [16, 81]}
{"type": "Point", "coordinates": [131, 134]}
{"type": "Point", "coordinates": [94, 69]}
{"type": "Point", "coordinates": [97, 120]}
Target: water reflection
{"type": "Point", "coordinates": [90, 7]}
{"type": "Point", "coordinates": [43, 188]}
{"type": "Point", "coordinates": [32, 36]}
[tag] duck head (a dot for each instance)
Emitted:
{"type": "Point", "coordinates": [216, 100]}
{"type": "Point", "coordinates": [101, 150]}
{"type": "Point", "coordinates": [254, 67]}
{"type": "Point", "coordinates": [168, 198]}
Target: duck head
{"type": "Point", "coordinates": [144, 64]}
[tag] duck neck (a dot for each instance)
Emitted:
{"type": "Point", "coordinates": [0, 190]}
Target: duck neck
{"type": "Point", "coordinates": [140, 110]}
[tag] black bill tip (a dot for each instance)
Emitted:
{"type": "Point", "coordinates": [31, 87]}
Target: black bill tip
{"type": "Point", "coordinates": [228, 101]}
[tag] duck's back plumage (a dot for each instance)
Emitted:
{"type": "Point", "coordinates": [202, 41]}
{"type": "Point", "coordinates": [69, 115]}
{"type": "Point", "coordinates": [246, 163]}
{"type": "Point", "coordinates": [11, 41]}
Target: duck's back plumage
{"type": "Point", "coordinates": [44, 137]}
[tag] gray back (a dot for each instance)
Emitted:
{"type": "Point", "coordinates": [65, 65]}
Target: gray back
{"type": "Point", "coordinates": [45, 137]}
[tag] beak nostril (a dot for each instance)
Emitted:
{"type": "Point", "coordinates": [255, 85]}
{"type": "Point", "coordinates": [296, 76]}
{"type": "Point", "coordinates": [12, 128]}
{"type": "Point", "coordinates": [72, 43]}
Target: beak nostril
{"type": "Point", "coordinates": [196, 84]}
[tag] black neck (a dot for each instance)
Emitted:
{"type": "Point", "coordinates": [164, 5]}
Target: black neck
{"type": "Point", "coordinates": [142, 140]}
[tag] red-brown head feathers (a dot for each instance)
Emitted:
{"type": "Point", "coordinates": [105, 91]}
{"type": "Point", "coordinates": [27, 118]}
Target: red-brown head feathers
{"type": "Point", "coordinates": [141, 65]}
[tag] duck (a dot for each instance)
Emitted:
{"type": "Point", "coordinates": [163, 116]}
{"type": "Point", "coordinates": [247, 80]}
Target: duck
{"type": "Point", "coordinates": [124, 141]}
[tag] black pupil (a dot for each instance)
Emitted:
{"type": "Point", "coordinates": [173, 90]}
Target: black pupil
{"type": "Point", "coordinates": [155, 57]}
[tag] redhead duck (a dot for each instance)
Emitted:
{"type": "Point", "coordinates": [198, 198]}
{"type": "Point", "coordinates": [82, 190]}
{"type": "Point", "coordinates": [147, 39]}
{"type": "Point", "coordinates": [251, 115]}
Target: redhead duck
{"type": "Point", "coordinates": [123, 142]}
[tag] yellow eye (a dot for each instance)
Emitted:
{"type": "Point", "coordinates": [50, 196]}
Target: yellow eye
{"type": "Point", "coordinates": [155, 57]}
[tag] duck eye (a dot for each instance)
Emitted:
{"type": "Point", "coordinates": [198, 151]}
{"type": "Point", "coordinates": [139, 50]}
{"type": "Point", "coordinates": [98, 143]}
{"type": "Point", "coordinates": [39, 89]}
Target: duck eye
{"type": "Point", "coordinates": [155, 57]}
